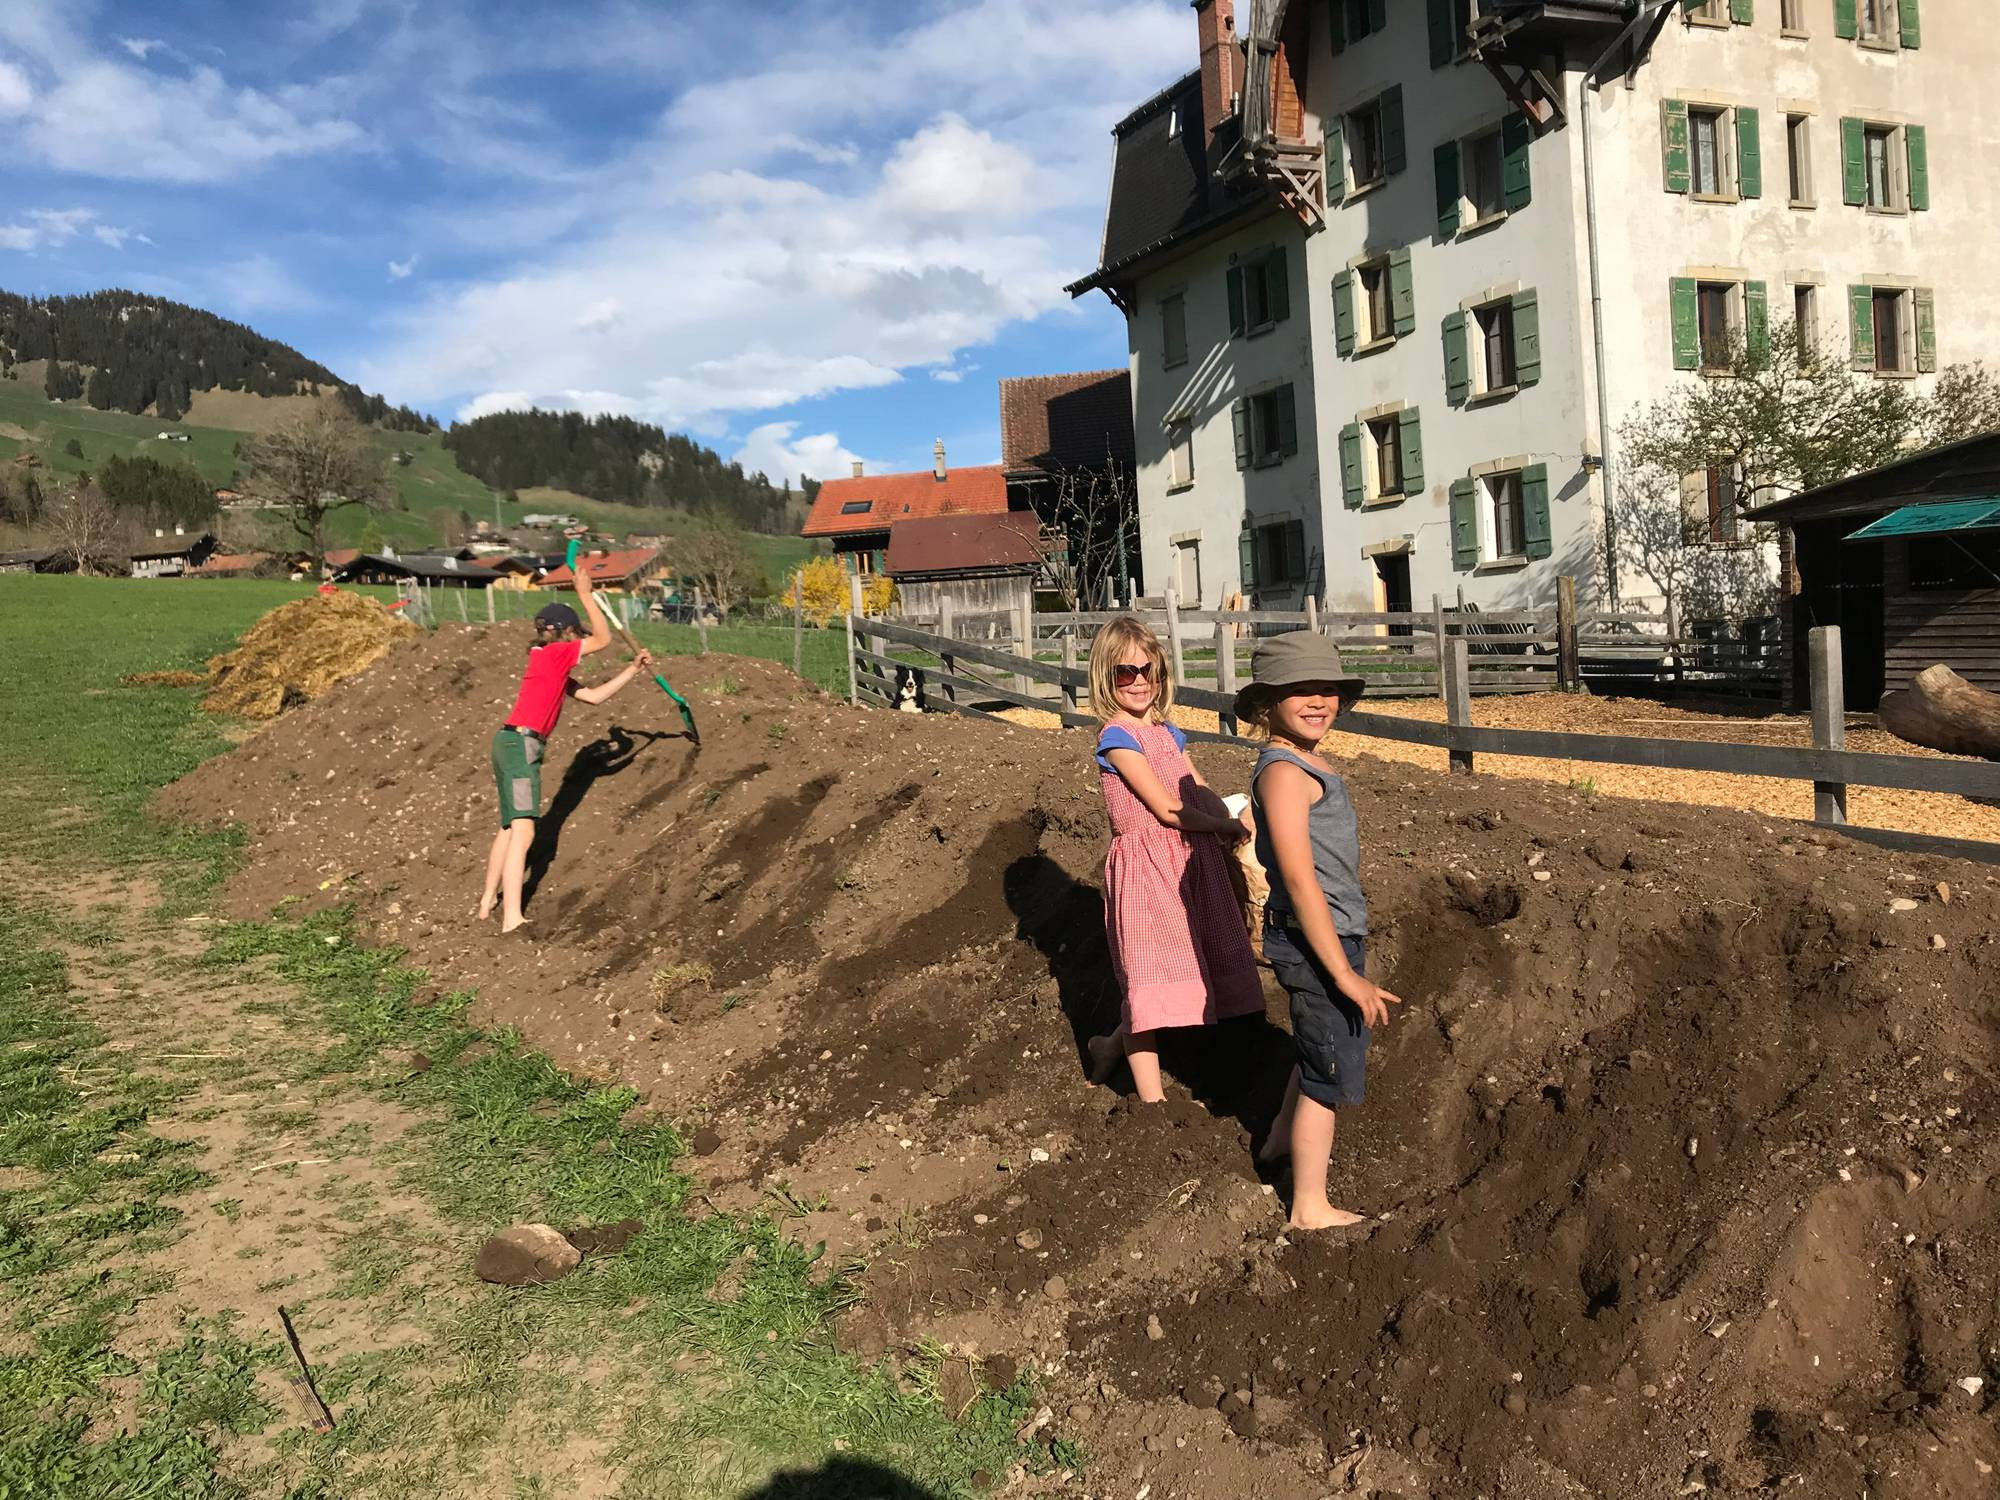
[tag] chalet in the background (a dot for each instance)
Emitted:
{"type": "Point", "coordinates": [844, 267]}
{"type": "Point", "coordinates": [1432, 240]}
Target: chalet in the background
{"type": "Point", "coordinates": [170, 555]}
{"type": "Point", "coordinates": [625, 571]}
{"type": "Point", "coordinates": [856, 514]}
{"type": "Point", "coordinates": [433, 570]}
{"type": "Point", "coordinates": [1905, 559]}
{"type": "Point", "coordinates": [978, 572]}
{"type": "Point", "coordinates": [238, 565]}
{"type": "Point", "coordinates": [37, 560]}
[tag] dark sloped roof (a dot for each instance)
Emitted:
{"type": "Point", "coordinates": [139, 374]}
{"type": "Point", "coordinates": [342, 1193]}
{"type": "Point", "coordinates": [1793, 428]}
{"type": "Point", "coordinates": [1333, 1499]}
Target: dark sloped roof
{"type": "Point", "coordinates": [1163, 186]}
{"type": "Point", "coordinates": [1965, 468]}
{"type": "Point", "coordinates": [421, 565]}
{"type": "Point", "coordinates": [1079, 421]}
{"type": "Point", "coordinates": [966, 544]}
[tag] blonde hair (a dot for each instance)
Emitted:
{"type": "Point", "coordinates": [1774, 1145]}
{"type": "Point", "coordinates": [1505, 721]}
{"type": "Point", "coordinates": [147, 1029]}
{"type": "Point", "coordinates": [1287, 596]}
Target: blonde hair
{"type": "Point", "coordinates": [1106, 647]}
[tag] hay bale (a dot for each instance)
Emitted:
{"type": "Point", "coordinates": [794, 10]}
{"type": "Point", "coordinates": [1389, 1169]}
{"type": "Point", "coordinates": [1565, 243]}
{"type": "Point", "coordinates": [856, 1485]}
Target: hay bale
{"type": "Point", "coordinates": [176, 677]}
{"type": "Point", "coordinates": [298, 651]}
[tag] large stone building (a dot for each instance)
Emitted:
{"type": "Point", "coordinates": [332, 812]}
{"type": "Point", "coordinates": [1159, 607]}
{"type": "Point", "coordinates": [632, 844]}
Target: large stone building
{"type": "Point", "coordinates": [1393, 268]}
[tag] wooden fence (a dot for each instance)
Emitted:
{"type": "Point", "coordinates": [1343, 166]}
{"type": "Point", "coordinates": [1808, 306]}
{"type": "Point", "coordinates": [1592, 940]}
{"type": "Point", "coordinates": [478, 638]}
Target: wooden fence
{"type": "Point", "coordinates": [953, 683]}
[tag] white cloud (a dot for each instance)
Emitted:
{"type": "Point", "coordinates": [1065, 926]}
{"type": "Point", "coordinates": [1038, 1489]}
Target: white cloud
{"type": "Point", "coordinates": [110, 234]}
{"type": "Point", "coordinates": [140, 46]}
{"type": "Point", "coordinates": [400, 269]}
{"type": "Point", "coordinates": [16, 94]}
{"type": "Point", "coordinates": [773, 451]}
{"type": "Point", "coordinates": [494, 401]}
{"type": "Point", "coordinates": [947, 376]}
{"type": "Point", "coordinates": [46, 228]}
{"type": "Point", "coordinates": [599, 316]}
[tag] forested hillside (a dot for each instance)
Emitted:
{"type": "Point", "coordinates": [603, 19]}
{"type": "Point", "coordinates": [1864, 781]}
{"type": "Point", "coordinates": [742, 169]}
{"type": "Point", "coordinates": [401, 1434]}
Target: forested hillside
{"type": "Point", "coordinates": [121, 351]}
{"type": "Point", "coordinates": [617, 458]}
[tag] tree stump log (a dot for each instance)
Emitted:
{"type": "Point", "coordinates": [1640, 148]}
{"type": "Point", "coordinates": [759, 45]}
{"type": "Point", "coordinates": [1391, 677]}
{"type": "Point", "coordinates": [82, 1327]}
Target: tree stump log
{"type": "Point", "coordinates": [1942, 710]}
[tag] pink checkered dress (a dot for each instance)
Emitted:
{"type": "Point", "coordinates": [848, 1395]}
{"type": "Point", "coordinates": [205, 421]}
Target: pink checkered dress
{"type": "Point", "coordinates": [1176, 931]}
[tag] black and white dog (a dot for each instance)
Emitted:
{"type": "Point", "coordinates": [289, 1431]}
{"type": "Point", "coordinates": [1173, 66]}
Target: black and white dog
{"type": "Point", "coordinates": [910, 691]}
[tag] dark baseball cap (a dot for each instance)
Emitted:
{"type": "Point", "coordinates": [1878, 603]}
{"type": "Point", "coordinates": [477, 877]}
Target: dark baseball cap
{"type": "Point", "coordinates": [558, 617]}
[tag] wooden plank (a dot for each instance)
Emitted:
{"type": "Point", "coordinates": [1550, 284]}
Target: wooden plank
{"type": "Point", "coordinates": [986, 656]}
{"type": "Point", "coordinates": [1922, 843]}
{"type": "Point", "coordinates": [1458, 701]}
{"type": "Point", "coordinates": [974, 686]}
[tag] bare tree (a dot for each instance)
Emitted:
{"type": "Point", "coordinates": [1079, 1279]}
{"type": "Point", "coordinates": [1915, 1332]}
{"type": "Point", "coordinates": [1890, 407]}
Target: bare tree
{"type": "Point", "coordinates": [711, 552]}
{"type": "Point", "coordinates": [86, 527]}
{"type": "Point", "coordinates": [1698, 575]}
{"type": "Point", "coordinates": [318, 462]}
{"type": "Point", "coordinates": [1092, 509]}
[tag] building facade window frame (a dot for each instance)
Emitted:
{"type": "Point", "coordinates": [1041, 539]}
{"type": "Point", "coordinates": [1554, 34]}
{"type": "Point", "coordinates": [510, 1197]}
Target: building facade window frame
{"type": "Point", "coordinates": [1798, 159]}
{"type": "Point", "coordinates": [1173, 329]}
{"type": "Point", "coordinates": [1180, 453]}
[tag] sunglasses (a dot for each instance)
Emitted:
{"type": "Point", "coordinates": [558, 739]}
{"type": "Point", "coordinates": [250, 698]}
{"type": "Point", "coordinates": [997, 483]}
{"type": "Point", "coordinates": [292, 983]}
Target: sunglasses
{"type": "Point", "coordinates": [1125, 674]}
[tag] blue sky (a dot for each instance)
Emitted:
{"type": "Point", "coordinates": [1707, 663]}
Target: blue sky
{"type": "Point", "coordinates": [803, 232]}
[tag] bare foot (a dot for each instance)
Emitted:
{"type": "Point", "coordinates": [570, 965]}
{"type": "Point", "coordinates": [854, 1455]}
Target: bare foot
{"type": "Point", "coordinates": [1105, 1056]}
{"type": "Point", "coordinates": [1277, 1146]}
{"type": "Point", "coordinates": [1326, 1218]}
{"type": "Point", "coordinates": [484, 912]}
{"type": "Point", "coordinates": [517, 927]}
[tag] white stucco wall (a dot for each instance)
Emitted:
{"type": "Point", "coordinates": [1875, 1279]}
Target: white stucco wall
{"type": "Point", "coordinates": [1218, 370]}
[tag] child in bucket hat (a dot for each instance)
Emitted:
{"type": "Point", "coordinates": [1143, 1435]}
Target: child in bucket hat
{"type": "Point", "coordinates": [1316, 919]}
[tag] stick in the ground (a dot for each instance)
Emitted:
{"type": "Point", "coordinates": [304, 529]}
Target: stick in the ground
{"type": "Point", "coordinates": [318, 1417]}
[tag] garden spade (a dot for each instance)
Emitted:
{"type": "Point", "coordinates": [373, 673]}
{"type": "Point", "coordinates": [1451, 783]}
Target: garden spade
{"type": "Point", "coordinates": [687, 714]}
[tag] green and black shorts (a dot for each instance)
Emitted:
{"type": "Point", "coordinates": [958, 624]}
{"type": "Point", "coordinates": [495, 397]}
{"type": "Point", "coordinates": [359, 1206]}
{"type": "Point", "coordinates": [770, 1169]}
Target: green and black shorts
{"type": "Point", "coordinates": [517, 772]}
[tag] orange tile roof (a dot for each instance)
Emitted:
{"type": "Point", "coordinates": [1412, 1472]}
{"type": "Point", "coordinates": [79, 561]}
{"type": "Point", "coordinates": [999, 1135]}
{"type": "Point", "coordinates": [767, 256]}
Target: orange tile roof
{"type": "Point", "coordinates": [612, 567]}
{"type": "Point", "coordinates": [890, 498]}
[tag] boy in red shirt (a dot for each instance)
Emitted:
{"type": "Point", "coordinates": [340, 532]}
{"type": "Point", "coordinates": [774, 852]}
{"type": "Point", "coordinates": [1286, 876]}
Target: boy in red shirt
{"type": "Point", "coordinates": [520, 745]}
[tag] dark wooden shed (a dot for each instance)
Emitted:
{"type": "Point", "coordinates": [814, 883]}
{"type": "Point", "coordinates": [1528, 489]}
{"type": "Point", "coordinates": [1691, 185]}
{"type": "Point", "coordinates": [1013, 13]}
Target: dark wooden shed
{"type": "Point", "coordinates": [1905, 559]}
{"type": "Point", "coordinates": [979, 570]}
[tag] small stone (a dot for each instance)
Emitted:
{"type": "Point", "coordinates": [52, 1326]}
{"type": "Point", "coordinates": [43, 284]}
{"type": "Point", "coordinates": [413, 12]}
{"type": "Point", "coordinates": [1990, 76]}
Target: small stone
{"type": "Point", "coordinates": [1055, 1289]}
{"type": "Point", "coordinates": [981, 1219]}
{"type": "Point", "coordinates": [526, 1255]}
{"type": "Point", "coordinates": [1970, 1384]}
{"type": "Point", "coordinates": [826, 1056]}
{"type": "Point", "coordinates": [1038, 1154]}
{"type": "Point", "coordinates": [1902, 903]}
{"type": "Point", "coordinates": [1937, 942]}
{"type": "Point", "coordinates": [1516, 1403]}
{"type": "Point", "coordinates": [1543, 875]}
{"type": "Point", "coordinates": [1693, 1146]}
{"type": "Point", "coordinates": [1942, 890]}
{"type": "Point", "coordinates": [1029, 1239]}
{"type": "Point", "coordinates": [705, 1143]}
{"type": "Point", "coordinates": [1153, 1329]}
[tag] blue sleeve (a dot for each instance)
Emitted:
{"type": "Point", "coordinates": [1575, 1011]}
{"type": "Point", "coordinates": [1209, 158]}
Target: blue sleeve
{"type": "Point", "coordinates": [1180, 739]}
{"type": "Point", "coordinates": [1115, 737]}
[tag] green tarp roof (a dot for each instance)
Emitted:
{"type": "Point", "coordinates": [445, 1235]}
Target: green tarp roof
{"type": "Point", "coordinates": [1934, 520]}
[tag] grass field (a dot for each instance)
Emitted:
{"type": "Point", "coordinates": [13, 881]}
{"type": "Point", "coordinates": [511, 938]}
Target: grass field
{"type": "Point", "coordinates": [205, 1119]}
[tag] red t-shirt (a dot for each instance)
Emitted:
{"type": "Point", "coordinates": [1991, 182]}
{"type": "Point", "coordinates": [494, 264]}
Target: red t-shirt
{"type": "Point", "coordinates": [544, 686]}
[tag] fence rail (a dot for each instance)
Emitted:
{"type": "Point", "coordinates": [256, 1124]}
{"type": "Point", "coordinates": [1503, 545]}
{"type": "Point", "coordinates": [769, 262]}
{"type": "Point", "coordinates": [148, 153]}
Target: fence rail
{"type": "Point", "coordinates": [879, 647]}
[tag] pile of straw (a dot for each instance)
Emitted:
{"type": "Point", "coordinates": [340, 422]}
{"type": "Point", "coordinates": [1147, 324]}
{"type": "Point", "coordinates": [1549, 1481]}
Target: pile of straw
{"type": "Point", "coordinates": [298, 651]}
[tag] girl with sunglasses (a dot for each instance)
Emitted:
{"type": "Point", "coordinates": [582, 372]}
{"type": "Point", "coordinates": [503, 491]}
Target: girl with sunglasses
{"type": "Point", "coordinates": [1178, 944]}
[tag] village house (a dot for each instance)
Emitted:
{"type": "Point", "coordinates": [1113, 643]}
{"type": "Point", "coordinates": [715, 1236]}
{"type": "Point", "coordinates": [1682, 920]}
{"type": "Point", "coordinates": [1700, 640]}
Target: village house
{"type": "Point", "coordinates": [978, 571]}
{"type": "Point", "coordinates": [171, 554]}
{"type": "Point", "coordinates": [450, 570]}
{"type": "Point", "coordinates": [624, 571]}
{"type": "Point", "coordinates": [855, 514]}
{"type": "Point", "coordinates": [37, 560]}
{"type": "Point", "coordinates": [1393, 274]}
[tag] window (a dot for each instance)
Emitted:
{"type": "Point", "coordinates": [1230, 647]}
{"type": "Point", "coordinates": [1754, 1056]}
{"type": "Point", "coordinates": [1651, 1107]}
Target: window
{"type": "Point", "coordinates": [1885, 167]}
{"type": "Point", "coordinates": [1889, 326]}
{"type": "Point", "coordinates": [1792, 17]}
{"type": "Point", "coordinates": [1877, 140]}
{"type": "Point", "coordinates": [1506, 530]}
{"type": "Point", "coordinates": [1716, 12]}
{"type": "Point", "coordinates": [1259, 293]}
{"type": "Point", "coordinates": [1878, 20]}
{"type": "Point", "coordinates": [1968, 561]}
{"type": "Point", "coordinates": [1893, 329]}
{"type": "Point", "coordinates": [1266, 444]}
{"type": "Point", "coordinates": [1187, 572]}
{"type": "Point", "coordinates": [856, 507]}
{"type": "Point", "coordinates": [1798, 159]}
{"type": "Point", "coordinates": [1180, 453]}
{"type": "Point", "coordinates": [1280, 553]}
{"type": "Point", "coordinates": [1385, 457]}
{"type": "Point", "coordinates": [1267, 428]}
{"type": "Point", "coordinates": [1805, 317]}
{"type": "Point", "coordinates": [1495, 367]}
{"type": "Point", "coordinates": [1366, 145]}
{"type": "Point", "coordinates": [1707, 152]}
{"type": "Point", "coordinates": [1354, 17]}
{"type": "Point", "coordinates": [1173, 329]}
{"type": "Point", "coordinates": [1366, 164]}
{"type": "Point", "coordinates": [1485, 176]}
{"type": "Point", "coordinates": [1710, 512]}
{"type": "Point", "coordinates": [1712, 313]}
{"type": "Point", "coordinates": [1372, 284]}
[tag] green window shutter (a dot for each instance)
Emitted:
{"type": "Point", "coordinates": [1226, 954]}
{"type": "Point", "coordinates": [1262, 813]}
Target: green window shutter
{"type": "Point", "coordinates": [1527, 338]}
{"type": "Point", "coordinates": [1335, 153]}
{"type": "Point", "coordinates": [1246, 557]}
{"type": "Point", "coordinates": [1749, 154]}
{"type": "Point", "coordinates": [1853, 161]}
{"type": "Point", "coordinates": [1378, 15]}
{"type": "Point", "coordinates": [1278, 284]}
{"type": "Point", "coordinates": [1535, 528]}
{"type": "Point", "coordinates": [1917, 139]}
{"type": "Point", "coordinates": [1444, 44]}
{"type": "Point", "coordinates": [1913, 31]}
{"type": "Point", "coordinates": [1445, 160]}
{"type": "Point", "coordinates": [1410, 444]}
{"type": "Point", "coordinates": [1742, 12]}
{"type": "Point", "coordinates": [1235, 283]}
{"type": "Point", "coordinates": [1343, 313]}
{"type": "Point", "coordinates": [1861, 326]}
{"type": "Point", "coordinates": [1336, 25]}
{"type": "Point", "coordinates": [1845, 21]}
{"type": "Point", "coordinates": [1674, 144]}
{"type": "Point", "coordinates": [1350, 465]}
{"type": "Point", "coordinates": [1288, 422]}
{"type": "Point", "coordinates": [1464, 524]}
{"type": "Point", "coordinates": [1925, 302]}
{"type": "Point", "coordinates": [1395, 150]}
{"type": "Point", "coordinates": [1239, 417]}
{"type": "Point", "coordinates": [1402, 294]}
{"type": "Point", "coordinates": [1757, 320]}
{"type": "Point", "coordinates": [1457, 372]}
{"type": "Point", "coordinates": [1516, 136]}
{"type": "Point", "coordinates": [1687, 325]}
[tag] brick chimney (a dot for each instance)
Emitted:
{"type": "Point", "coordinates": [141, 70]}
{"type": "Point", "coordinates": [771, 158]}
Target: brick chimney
{"type": "Point", "coordinates": [857, 468]}
{"type": "Point", "coordinates": [937, 461]}
{"type": "Point", "coordinates": [1215, 20]}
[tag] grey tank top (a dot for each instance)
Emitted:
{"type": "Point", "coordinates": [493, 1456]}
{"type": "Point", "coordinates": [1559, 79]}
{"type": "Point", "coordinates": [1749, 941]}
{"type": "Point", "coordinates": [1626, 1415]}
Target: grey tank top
{"type": "Point", "coordinates": [1336, 845]}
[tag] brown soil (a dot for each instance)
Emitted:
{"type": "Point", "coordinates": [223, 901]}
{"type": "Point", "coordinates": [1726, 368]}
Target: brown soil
{"type": "Point", "coordinates": [1680, 1154]}
{"type": "Point", "coordinates": [299, 650]}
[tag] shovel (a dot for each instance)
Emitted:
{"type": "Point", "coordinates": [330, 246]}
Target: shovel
{"type": "Point", "coordinates": [618, 626]}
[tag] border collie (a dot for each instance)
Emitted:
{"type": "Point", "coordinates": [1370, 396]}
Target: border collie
{"type": "Point", "coordinates": [910, 691]}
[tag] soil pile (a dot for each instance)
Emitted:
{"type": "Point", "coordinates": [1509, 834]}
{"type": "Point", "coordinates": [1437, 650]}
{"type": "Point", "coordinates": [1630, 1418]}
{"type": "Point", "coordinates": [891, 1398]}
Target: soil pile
{"type": "Point", "coordinates": [1680, 1143]}
{"type": "Point", "coordinates": [299, 650]}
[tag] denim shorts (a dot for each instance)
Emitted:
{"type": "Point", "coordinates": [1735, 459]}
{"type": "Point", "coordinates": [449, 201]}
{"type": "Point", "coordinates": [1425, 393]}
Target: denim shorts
{"type": "Point", "coordinates": [1327, 1027]}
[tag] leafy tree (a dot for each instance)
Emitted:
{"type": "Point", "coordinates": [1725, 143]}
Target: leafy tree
{"type": "Point", "coordinates": [73, 448]}
{"type": "Point", "coordinates": [319, 462]}
{"type": "Point", "coordinates": [711, 553]}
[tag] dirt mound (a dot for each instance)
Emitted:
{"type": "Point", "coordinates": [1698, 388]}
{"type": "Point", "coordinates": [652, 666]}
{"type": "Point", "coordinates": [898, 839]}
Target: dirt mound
{"type": "Point", "coordinates": [299, 650]}
{"type": "Point", "coordinates": [1680, 1143]}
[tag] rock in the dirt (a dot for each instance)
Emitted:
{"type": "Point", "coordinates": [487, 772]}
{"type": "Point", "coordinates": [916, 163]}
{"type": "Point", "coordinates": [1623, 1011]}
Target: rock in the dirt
{"type": "Point", "coordinates": [1153, 1329]}
{"type": "Point", "coordinates": [605, 1239]}
{"type": "Point", "coordinates": [705, 1143]}
{"type": "Point", "coordinates": [526, 1255]}
{"type": "Point", "coordinates": [1942, 890]}
{"type": "Point", "coordinates": [1516, 1403]}
{"type": "Point", "coordinates": [1902, 903]}
{"type": "Point", "coordinates": [1029, 1239]}
{"type": "Point", "coordinates": [1055, 1289]}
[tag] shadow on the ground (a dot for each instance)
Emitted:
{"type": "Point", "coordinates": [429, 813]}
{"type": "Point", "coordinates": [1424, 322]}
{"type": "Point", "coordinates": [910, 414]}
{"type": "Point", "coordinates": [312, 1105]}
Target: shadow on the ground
{"type": "Point", "coordinates": [841, 1479]}
{"type": "Point", "coordinates": [611, 752]}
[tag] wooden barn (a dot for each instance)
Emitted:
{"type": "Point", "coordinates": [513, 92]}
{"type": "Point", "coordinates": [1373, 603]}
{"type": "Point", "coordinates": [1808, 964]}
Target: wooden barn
{"type": "Point", "coordinates": [976, 572]}
{"type": "Point", "coordinates": [1905, 559]}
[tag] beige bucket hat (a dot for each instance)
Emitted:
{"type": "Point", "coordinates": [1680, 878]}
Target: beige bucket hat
{"type": "Point", "coordinates": [1282, 661]}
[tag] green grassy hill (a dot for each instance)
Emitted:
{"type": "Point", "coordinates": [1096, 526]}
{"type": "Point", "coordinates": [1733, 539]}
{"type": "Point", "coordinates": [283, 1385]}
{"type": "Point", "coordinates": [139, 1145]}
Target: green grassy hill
{"type": "Point", "coordinates": [431, 489]}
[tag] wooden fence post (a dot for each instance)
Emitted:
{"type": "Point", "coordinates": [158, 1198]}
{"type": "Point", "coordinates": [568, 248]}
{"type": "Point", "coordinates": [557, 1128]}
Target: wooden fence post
{"type": "Point", "coordinates": [1673, 628]}
{"type": "Point", "coordinates": [489, 605]}
{"type": "Point", "coordinates": [1829, 718]}
{"type": "Point", "coordinates": [853, 681]}
{"type": "Point", "coordinates": [1437, 625]}
{"type": "Point", "coordinates": [1225, 667]}
{"type": "Point", "coordinates": [1458, 701]}
{"type": "Point", "coordinates": [949, 661]}
{"type": "Point", "coordinates": [1069, 665]}
{"type": "Point", "coordinates": [701, 619]}
{"type": "Point", "coordinates": [1312, 614]}
{"type": "Point", "coordinates": [1022, 627]}
{"type": "Point", "coordinates": [1569, 663]}
{"type": "Point", "coordinates": [1178, 666]}
{"type": "Point", "coordinates": [798, 626]}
